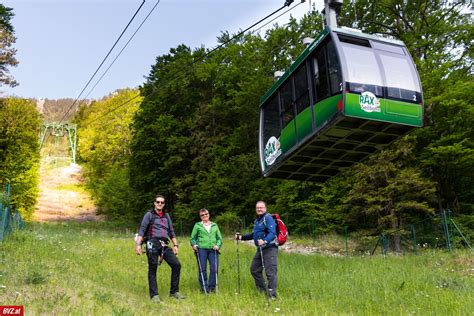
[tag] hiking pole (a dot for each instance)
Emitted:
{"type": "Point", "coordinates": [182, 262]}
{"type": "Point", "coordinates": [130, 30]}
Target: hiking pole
{"type": "Point", "coordinates": [200, 272]}
{"type": "Point", "coordinates": [264, 273]}
{"type": "Point", "coordinates": [216, 255]}
{"type": "Point", "coordinates": [238, 267]}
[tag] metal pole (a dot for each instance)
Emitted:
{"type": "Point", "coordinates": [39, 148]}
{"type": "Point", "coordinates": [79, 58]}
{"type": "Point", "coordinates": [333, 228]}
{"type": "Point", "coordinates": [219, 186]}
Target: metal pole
{"type": "Point", "coordinates": [44, 129]}
{"type": "Point", "coordinates": [384, 244]}
{"type": "Point", "coordinates": [331, 8]}
{"type": "Point", "coordinates": [346, 237]}
{"type": "Point", "coordinates": [200, 272]}
{"type": "Point", "coordinates": [216, 256]}
{"type": "Point", "coordinates": [413, 233]}
{"type": "Point", "coordinates": [264, 272]}
{"type": "Point", "coordinates": [238, 267]}
{"type": "Point", "coordinates": [75, 144]}
{"type": "Point", "coordinates": [375, 248]}
{"type": "Point", "coordinates": [459, 231]}
{"type": "Point", "coordinates": [446, 231]}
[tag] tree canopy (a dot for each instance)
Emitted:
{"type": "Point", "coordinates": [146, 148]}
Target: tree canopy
{"type": "Point", "coordinates": [19, 152]}
{"type": "Point", "coordinates": [7, 52]}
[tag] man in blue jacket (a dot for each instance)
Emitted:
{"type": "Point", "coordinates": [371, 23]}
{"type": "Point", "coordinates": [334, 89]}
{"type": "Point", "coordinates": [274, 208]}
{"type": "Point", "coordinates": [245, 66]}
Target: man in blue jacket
{"type": "Point", "coordinates": [264, 234]}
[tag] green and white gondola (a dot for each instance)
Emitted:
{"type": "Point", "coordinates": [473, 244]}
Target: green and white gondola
{"type": "Point", "coordinates": [348, 95]}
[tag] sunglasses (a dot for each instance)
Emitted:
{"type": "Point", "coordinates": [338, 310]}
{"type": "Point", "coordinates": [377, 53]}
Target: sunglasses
{"type": "Point", "coordinates": [159, 202]}
{"type": "Point", "coordinates": [206, 214]}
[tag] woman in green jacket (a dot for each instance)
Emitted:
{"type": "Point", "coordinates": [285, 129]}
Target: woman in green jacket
{"type": "Point", "coordinates": [206, 240]}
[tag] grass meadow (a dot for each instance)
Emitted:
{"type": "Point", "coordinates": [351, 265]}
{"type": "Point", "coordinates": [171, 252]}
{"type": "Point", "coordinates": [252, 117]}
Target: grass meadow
{"type": "Point", "coordinates": [91, 269]}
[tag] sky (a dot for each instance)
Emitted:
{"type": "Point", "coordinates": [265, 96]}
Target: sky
{"type": "Point", "coordinates": [60, 43]}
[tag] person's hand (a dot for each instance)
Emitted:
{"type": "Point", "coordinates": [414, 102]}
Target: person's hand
{"type": "Point", "coordinates": [138, 249]}
{"type": "Point", "coordinates": [216, 247]}
{"type": "Point", "coordinates": [195, 247]}
{"type": "Point", "coordinates": [175, 249]}
{"type": "Point", "coordinates": [238, 236]}
{"type": "Point", "coordinates": [261, 242]}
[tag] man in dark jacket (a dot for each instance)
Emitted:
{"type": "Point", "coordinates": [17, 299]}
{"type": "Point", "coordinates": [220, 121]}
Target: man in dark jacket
{"type": "Point", "coordinates": [264, 234]}
{"type": "Point", "coordinates": [158, 229]}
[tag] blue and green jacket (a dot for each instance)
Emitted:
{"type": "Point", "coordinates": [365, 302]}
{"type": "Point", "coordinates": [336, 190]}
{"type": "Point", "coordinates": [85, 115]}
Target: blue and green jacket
{"type": "Point", "coordinates": [265, 229]}
{"type": "Point", "coordinates": [204, 239]}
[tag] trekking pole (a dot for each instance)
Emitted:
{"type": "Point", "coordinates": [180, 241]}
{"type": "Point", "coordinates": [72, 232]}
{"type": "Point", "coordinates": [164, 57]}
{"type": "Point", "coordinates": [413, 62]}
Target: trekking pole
{"type": "Point", "coordinates": [264, 273]}
{"type": "Point", "coordinates": [200, 272]}
{"type": "Point", "coordinates": [216, 255]}
{"type": "Point", "coordinates": [238, 267]}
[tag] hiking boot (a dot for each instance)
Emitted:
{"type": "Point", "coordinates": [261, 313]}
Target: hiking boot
{"type": "Point", "coordinates": [156, 299]}
{"type": "Point", "coordinates": [178, 296]}
{"type": "Point", "coordinates": [272, 294]}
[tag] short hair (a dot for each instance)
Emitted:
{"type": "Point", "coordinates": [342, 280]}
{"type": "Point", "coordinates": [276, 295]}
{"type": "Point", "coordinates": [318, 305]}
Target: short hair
{"type": "Point", "coordinates": [261, 202]}
{"type": "Point", "coordinates": [203, 210]}
{"type": "Point", "coordinates": [160, 196]}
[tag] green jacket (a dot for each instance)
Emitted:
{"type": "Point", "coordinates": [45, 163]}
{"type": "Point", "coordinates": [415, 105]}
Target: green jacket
{"type": "Point", "coordinates": [206, 240]}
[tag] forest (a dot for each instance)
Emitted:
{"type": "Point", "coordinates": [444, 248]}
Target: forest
{"type": "Point", "coordinates": [190, 132]}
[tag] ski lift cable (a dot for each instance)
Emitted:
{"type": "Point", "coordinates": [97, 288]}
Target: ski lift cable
{"type": "Point", "coordinates": [93, 75]}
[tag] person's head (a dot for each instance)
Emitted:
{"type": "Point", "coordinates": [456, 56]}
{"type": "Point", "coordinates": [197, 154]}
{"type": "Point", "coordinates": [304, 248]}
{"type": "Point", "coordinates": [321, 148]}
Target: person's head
{"type": "Point", "coordinates": [260, 207]}
{"type": "Point", "coordinates": [204, 215]}
{"type": "Point", "coordinates": [159, 202]}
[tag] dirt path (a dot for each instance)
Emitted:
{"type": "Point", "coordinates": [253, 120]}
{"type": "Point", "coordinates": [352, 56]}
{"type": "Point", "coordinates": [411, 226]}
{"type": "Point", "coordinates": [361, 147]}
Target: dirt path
{"type": "Point", "coordinates": [62, 196]}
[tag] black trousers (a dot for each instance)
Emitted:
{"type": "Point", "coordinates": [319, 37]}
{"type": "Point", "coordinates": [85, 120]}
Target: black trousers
{"type": "Point", "coordinates": [270, 255]}
{"type": "Point", "coordinates": [172, 261]}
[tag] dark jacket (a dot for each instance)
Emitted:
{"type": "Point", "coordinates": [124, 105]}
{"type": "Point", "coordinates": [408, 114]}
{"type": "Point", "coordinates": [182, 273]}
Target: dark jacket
{"type": "Point", "coordinates": [264, 228]}
{"type": "Point", "coordinates": [162, 227]}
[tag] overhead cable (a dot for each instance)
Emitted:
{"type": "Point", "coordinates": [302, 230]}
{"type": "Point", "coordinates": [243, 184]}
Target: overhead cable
{"type": "Point", "coordinates": [183, 70]}
{"type": "Point", "coordinates": [126, 44]}
{"type": "Point", "coordinates": [92, 77]}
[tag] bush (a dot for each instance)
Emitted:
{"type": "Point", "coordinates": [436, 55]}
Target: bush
{"type": "Point", "coordinates": [229, 222]}
{"type": "Point", "coordinates": [19, 152]}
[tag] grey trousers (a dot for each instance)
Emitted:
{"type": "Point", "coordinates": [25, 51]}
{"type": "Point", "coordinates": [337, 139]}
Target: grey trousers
{"type": "Point", "coordinates": [270, 255]}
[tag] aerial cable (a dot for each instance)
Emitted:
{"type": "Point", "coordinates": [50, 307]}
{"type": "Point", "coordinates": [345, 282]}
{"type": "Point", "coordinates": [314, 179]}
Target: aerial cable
{"type": "Point", "coordinates": [287, 43]}
{"type": "Point", "coordinates": [276, 17]}
{"type": "Point", "coordinates": [183, 70]}
{"type": "Point", "coordinates": [92, 77]}
{"type": "Point", "coordinates": [126, 44]}
{"type": "Point", "coordinates": [114, 109]}
{"type": "Point", "coordinates": [287, 4]}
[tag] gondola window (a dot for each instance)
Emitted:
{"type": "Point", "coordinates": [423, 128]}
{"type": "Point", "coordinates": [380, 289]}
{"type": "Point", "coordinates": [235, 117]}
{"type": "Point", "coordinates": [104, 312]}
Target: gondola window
{"type": "Point", "coordinates": [301, 90]}
{"type": "Point", "coordinates": [271, 116]}
{"type": "Point", "coordinates": [320, 74]}
{"type": "Point", "coordinates": [335, 77]}
{"type": "Point", "coordinates": [286, 103]}
{"type": "Point", "coordinates": [363, 71]}
{"type": "Point", "coordinates": [401, 81]}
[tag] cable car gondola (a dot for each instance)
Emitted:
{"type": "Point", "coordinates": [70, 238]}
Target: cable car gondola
{"type": "Point", "coordinates": [348, 95]}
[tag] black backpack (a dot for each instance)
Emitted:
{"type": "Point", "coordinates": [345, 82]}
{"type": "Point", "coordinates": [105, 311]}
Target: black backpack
{"type": "Point", "coordinates": [147, 234]}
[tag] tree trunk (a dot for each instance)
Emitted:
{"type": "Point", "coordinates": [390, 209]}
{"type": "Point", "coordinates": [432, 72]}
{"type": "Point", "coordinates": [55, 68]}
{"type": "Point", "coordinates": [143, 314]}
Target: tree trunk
{"type": "Point", "coordinates": [395, 226]}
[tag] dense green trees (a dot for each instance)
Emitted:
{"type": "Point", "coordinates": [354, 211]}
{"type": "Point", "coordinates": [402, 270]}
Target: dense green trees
{"type": "Point", "coordinates": [19, 128]}
{"type": "Point", "coordinates": [104, 146]}
{"type": "Point", "coordinates": [19, 152]}
{"type": "Point", "coordinates": [7, 52]}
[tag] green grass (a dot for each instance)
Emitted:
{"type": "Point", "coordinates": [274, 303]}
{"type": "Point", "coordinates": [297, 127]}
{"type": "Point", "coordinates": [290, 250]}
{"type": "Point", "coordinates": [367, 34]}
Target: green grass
{"type": "Point", "coordinates": [91, 268]}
